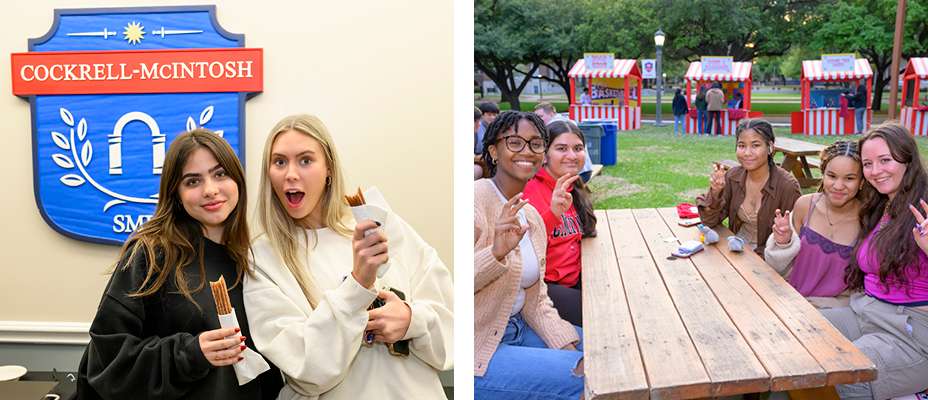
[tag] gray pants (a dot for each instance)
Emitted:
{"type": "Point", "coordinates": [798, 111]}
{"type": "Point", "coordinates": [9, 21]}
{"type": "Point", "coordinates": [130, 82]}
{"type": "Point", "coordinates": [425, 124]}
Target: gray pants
{"type": "Point", "coordinates": [895, 338]}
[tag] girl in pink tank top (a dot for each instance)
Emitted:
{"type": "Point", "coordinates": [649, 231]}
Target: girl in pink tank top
{"type": "Point", "coordinates": [814, 261]}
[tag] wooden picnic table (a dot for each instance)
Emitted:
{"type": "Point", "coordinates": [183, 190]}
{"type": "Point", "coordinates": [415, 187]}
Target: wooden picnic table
{"type": "Point", "coordinates": [795, 152]}
{"type": "Point", "coordinates": [718, 323]}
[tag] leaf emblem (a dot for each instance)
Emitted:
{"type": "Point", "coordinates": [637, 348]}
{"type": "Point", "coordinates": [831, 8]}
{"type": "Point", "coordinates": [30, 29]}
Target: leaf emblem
{"type": "Point", "coordinates": [63, 161]}
{"type": "Point", "coordinates": [66, 117]}
{"type": "Point", "coordinates": [206, 115]}
{"type": "Point", "coordinates": [72, 180]}
{"type": "Point", "coordinates": [190, 124]}
{"type": "Point", "coordinates": [86, 153]}
{"type": "Point", "coordinates": [82, 130]}
{"type": "Point", "coordinates": [112, 203]}
{"type": "Point", "coordinates": [219, 133]}
{"type": "Point", "coordinates": [61, 141]}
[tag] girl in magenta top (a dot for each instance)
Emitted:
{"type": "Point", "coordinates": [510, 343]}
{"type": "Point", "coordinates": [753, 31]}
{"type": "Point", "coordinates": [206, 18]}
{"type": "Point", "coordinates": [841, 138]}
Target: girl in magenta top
{"type": "Point", "coordinates": [812, 246]}
{"type": "Point", "coordinates": [889, 321]}
{"type": "Point", "coordinates": [566, 221]}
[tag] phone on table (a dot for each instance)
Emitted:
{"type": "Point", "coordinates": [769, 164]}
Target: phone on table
{"type": "Point", "coordinates": [689, 222]}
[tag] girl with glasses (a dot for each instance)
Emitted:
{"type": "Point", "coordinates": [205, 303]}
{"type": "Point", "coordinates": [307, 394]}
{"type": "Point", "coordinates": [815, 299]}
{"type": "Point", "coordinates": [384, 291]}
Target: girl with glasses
{"type": "Point", "coordinates": [522, 347]}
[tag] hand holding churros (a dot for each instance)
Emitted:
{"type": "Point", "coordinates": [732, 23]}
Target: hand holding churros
{"type": "Point", "coordinates": [250, 363]}
{"type": "Point", "coordinates": [363, 212]}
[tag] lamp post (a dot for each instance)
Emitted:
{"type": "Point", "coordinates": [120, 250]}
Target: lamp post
{"type": "Point", "coordinates": [541, 89]}
{"type": "Point", "coordinates": [659, 41]}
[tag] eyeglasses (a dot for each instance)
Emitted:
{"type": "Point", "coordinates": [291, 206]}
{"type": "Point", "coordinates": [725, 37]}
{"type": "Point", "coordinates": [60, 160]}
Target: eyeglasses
{"type": "Point", "coordinates": [515, 144]}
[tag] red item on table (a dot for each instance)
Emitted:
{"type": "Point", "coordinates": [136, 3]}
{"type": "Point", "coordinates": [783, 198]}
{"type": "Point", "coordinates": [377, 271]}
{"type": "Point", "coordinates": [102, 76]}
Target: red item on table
{"type": "Point", "coordinates": [692, 113]}
{"type": "Point", "coordinates": [735, 114]}
{"type": "Point", "coordinates": [842, 101]}
{"type": "Point", "coordinates": [686, 210]}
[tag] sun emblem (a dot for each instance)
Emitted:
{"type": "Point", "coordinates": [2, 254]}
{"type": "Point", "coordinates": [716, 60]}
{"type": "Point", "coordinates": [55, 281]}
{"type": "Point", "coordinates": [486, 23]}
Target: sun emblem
{"type": "Point", "coordinates": [134, 33]}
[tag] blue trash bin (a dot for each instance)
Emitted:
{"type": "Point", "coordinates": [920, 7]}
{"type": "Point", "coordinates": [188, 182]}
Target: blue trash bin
{"type": "Point", "coordinates": [603, 135]}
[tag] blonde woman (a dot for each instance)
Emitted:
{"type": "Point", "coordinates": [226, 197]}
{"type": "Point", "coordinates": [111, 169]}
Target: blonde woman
{"type": "Point", "coordinates": [315, 278]}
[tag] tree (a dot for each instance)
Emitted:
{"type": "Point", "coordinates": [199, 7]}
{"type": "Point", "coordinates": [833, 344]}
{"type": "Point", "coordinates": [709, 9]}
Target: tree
{"type": "Point", "coordinates": [868, 27]}
{"type": "Point", "coordinates": [743, 29]}
{"type": "Point", "coordinates": [505, 36]}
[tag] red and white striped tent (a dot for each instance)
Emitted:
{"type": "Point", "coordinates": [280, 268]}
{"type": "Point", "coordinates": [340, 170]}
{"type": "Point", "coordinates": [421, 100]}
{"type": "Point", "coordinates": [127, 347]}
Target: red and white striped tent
{"type": "Point", "coordinates": [911, 117]}
{"type": "Point", "coordinates": [826, 121]}
{"type": "Point", "coordinates": [740, 78]}
{"type": "Point", "coordinates": [628, 117]}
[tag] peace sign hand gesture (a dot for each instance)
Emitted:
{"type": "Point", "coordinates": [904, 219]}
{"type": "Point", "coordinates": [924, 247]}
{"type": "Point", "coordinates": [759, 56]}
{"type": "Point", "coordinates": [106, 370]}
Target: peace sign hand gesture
{"type": "Point", "coordinates": [919, 231]}
{"type": "Point", "coordinates": [782, 230]}
{"type": "Point", "coordinates": [508, 229]}
{"type": "Point", "coordinates": [561, 199]}
{"type": "Point", "coordinates": [716, 181]}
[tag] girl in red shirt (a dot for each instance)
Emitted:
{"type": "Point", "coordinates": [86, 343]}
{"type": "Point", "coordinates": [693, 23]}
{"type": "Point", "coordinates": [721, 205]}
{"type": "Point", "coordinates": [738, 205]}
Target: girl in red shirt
{"type": "Point", "coordinates": [565, 222]}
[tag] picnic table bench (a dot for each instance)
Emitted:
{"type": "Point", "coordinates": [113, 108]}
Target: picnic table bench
{"type": "Point", "coordinates": [717, 323]}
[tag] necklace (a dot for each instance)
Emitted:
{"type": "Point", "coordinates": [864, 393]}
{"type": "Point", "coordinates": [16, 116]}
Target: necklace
{"type": "Point", "coordinates": [828, 215]}
{"type": "Point", "coordinates": [756, 192]}
{"type": "Point", "coordinates": [883, 218]}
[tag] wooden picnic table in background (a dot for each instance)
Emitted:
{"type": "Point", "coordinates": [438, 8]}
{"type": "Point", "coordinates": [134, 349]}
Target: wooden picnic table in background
{"type": "Point", "coordinates": [717, 323]}
{"type": "Point", "coordinates": [795, 152]}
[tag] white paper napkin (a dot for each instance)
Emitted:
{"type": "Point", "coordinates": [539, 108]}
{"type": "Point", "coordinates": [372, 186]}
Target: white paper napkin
{"type": "Point", "coordinates": [378, 210]}
{"type": "Point", "coordinates": [253, 364]}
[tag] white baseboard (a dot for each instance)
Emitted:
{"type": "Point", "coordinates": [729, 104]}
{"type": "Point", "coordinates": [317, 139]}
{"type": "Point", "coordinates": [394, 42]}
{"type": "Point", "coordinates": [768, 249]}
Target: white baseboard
{"type": "Point", "coordinates": [44, 332]}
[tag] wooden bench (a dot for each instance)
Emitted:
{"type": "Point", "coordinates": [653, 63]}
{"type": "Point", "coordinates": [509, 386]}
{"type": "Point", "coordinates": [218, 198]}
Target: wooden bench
{"type": "Point", "coordinates": [597, 168]}
{"type": "Point", "coordinates": [726, 164]}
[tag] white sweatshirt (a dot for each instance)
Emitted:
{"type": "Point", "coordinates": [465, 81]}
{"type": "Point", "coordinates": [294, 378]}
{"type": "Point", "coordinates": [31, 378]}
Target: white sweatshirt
{"type": "Point", "coordinates": [321, 352]}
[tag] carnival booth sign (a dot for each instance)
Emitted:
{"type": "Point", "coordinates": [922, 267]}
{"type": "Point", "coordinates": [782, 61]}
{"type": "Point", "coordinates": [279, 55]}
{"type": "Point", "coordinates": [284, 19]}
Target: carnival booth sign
{"type": "Point", "coordinates": [820, 109]}
{"type": "Point", "coordinates": [735, 80]}
{"type": "Point", "coordinates": [914, 113]}
{"type": "Point", "coordinates": [616, 94]}
{"type": "Point", "coordinates": [110, 88]}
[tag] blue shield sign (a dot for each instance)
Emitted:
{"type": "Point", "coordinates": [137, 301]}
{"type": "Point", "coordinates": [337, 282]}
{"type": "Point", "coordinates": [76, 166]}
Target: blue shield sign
{"type": "Point", "coordinates": [109, 90]}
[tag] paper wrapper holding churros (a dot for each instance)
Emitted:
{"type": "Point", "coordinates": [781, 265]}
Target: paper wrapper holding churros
{"type": "Point", "coordinates": [370, 205]}
{"type": "Point", "coordinates": [253, 364]}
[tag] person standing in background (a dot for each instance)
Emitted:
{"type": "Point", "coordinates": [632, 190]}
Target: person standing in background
{"type": "Point", "coordinates": [702, 113]}
{"type": "Point", "coordinates": [679, 112]}
{"type": "Point", "coordinates": [585, 97]}
{"type": "Point", "coordinates": [859, 102]}
{"type": "Point", "coordinates": [716, 100]}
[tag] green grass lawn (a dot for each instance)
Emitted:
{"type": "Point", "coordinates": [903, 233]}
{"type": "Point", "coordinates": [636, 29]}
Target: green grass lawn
{"type": "Point", "coordinates": [656, 168]}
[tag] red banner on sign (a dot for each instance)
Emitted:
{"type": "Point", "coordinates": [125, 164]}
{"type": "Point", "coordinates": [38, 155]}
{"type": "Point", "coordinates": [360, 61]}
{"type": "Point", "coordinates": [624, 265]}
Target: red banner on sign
{"type": "Point", "coordinates": [138, 71]}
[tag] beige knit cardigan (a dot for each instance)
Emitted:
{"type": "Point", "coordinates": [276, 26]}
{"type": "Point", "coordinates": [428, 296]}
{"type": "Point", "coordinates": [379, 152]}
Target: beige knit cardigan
{"type": "Point", "coordinates": [496, 283]}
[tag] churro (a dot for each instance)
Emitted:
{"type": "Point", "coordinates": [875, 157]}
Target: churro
{"type": "Point", "coordinates": [221, 296]}
{"type": "Point", "coordinates": [356, 200]}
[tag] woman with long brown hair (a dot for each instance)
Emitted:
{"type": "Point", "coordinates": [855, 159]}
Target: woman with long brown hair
{"type": "Point", "coordinates": [156, 333]}
{"type": "Point", "coordinates": [888, 322]}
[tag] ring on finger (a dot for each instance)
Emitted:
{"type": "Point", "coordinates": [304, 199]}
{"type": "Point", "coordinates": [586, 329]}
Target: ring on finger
{"type": "Point", "coordinates": [217, 355]}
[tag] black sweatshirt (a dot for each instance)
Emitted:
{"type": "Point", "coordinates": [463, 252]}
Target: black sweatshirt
{"type": "Point", "coordinates": [148, 347]}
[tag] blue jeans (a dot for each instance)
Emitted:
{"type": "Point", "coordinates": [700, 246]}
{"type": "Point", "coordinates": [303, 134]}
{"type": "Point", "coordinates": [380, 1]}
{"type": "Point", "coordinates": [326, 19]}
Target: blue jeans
{"type": "Point", "coordinates": [717, 116]}
{"type": "Point", "coordinates": [523, 367]}
{"type": "Point", "coordinates": [678, 125]}
{"type": "Point", "coordinates": [702, 117]}
{"type": "Point", "coordinates": [860, 114]}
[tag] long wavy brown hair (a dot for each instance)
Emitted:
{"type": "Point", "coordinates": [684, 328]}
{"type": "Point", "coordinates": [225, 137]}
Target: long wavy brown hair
{"type": "Point", "coordinates": [893, 245]}
{"type": "Point", "coordinates": [172, 239]}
